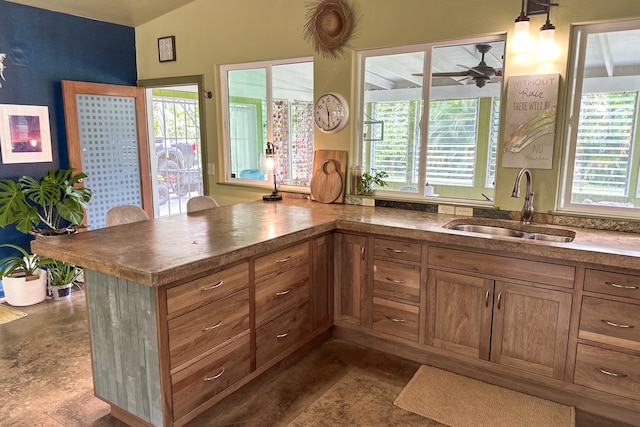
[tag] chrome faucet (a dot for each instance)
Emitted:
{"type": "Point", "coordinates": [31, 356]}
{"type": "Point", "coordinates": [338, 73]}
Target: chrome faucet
{"type": "Point", "coordinates": [527, 208]}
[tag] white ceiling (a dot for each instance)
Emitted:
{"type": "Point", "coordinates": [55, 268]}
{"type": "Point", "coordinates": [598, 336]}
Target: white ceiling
{"type": "Point", "coordinates": [124, 12]}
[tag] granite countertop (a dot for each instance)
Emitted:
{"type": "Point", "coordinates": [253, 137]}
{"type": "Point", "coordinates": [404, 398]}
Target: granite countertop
{"type": "Point", "coordinates": [164, 250]}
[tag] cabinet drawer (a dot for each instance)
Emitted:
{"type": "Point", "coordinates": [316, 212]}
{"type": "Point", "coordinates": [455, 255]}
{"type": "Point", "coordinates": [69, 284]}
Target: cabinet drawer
{"type": "Point", "coordinates": [281, 334]}
{"type": "Point", "coordinates": [206, 327]}
{"type": "Point", "coordinates": [405, 251]}
{"type": "Point", "coordinates": [605, 282]}
{"type": "Point", "coordinates": [611, 322]}
{"type": "Point", "coordinates": [396, 319]}
{"type": "Point", "coordinates": [208, 288]}
{"type": "Point", "coordinates": [273, 297]}
{"type": "Point", "coordinates": [500, 266]}
{"type": "Point", "coordinates": [199, 382]}
{"type": "Point", "coordinates": [391, 279]}
{"type": "Point", "coordinates": [271, 265]}
{"type": "Point", "coordinates": [608, 371]}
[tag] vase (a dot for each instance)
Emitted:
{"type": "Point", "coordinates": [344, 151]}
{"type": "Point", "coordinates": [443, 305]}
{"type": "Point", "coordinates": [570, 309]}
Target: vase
{"type": "Point", "coordinates": [21, 292]}
{"type": "Point", "coordinates": [61, 292]}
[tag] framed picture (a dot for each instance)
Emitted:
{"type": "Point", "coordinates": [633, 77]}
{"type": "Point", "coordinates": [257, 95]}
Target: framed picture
{"type": "Point", "coordinates": [167, 48]}
{"type": "Point", "coordinates": [25, 135]}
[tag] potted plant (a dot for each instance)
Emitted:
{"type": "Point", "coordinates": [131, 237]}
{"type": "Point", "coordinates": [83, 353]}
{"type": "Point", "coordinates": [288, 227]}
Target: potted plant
{"type": "Point", "coordinates": [45, 206]}
{"type": "Point", "coordinates": [23, 279]}
{"type": "Point", "coordinates": [62, 275]}
{"type": "Point", "coordinates": [368, 181]}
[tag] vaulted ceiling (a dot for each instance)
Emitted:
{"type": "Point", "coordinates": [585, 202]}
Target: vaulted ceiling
{"type": "Point", "coordinates": [124, 12]}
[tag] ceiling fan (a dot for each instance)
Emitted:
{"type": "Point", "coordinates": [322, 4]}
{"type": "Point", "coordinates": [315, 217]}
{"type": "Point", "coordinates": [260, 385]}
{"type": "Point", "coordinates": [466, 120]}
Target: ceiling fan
{"type": "Point", "coordinates": [480, 74]}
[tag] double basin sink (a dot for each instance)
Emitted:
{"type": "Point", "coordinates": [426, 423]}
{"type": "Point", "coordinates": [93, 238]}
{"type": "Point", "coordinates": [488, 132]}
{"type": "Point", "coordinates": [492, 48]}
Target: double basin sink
{"type": "Point", "coordinates": [505, 228]}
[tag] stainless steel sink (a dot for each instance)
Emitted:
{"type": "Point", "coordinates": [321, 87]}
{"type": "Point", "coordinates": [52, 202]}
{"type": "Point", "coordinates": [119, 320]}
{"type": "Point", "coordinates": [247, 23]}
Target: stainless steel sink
{"type": "Point", "coordinates": [505, 228]}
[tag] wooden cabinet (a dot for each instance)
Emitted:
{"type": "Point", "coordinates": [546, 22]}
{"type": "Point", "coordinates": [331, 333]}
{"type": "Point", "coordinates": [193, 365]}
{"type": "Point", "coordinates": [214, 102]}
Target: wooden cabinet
{"type": "Point", "coordinates": [608, 356]}
{"type": "Point", "coordinates": [521, 325]}
{"type": "Point", "coordinates": [353, 291]}
{"type": "Point", "coordinates": [322, 250]}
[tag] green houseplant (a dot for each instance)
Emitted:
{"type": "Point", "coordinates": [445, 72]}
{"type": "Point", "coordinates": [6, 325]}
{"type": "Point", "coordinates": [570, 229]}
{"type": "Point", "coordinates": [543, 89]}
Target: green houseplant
{"type": "Point", "coordinates": [23, 279]}
{"type": "Point", "coordinates": [42, 206]}
{"type": "Point", "coordinates": [367, 183]}
{"type": "Point", "coordinates": [62, 275]}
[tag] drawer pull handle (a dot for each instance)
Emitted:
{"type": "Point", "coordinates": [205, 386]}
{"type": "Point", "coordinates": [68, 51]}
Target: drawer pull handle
{"type": "Point", "coordinates": [615, 285]}
{"type": "Point", "coordinates": [397, 251]}
{"type": "Point", "coordinates": [217, 325]}
{"type": "Point", "coordinates": [283, 293]}
{"type": "Point", "coordinates": [287, 259]}
{"type": "Point", "coordinates": [611, 373]}
{"type": "Point", "coordinates": [280, 336]}
{"type": "Point", "coordinates": [393, 319]}
{"type": "Point", "coordinates": [208, 288]}
{"type": "Point", "coordinates": [362, 251]}
{"type": "Point", "coordinates": [396, 280]}
{"type": "Point", "coordinates": [486, 299]}
{"type": "Point", "coordinates": [616, 325]}
{"type": "Point", "coordinates": [216, 376]}
{"type": "Point", "coordinates": [499, 299]}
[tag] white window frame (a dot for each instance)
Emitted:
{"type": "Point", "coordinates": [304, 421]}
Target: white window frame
{"type": "Point", "coordinates": [224, 96]}
{"type": "Point", "coordinates": [426, 95]}
{"type": "Point", "coordinates": [575, 80]}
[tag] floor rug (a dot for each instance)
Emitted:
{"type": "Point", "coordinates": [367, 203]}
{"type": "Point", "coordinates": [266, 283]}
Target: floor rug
{"type": "Point", "coordinates": [7, 314]}
{"type": "Point", "coordinates": [459, 401]}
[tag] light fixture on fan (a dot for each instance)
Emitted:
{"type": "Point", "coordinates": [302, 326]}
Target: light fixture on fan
{"type": "Point", "coordinates": [546, 41]}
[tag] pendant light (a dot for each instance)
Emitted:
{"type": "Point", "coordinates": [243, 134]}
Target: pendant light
{"type": "Point", "coordinates": [521, 39]}
{"type": "Point", "coordinates": [547, 38]}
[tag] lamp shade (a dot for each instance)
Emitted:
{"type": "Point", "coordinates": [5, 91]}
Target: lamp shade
{"type": "Point", "coordinates": [521, 38]}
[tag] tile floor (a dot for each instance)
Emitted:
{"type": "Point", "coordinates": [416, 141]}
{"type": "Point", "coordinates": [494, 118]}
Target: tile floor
{"type": "Point", "coordinates": [45, 381]}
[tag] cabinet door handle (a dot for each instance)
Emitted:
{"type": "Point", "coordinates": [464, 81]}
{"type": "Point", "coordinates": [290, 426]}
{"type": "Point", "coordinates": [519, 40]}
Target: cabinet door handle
{"type": "Point", "coordinates": [215, 377]}
{"type": "Point", "coordinates": [287, 259]}
{"type": "Point", "coordinates": [280, 336]}
{"type": "Point", "coordinates": [362, 250]}
{"type": "Point", "coordinates": [615, 285]}
{"type": "Point", "coordinates": [217, 325]}
{"type": "Point", "coordinates": [208, 288]}
{"type": "Point", "coordinates": [486, 299]}
{"type": "Point", "coordinates": [499, 299]}
{"type": "Point", "coordinates": [616, 325]}
{"type": "Point", "coordinates": [283, 293]}
{"type": "Point", "coordinates": [397, 251]}
{"type": "Point", "coordinates": [396, 280]}
{"type": "Point", "coordinates": [393, 319]}
{"type": "Point", "coordinates": [611, 373]}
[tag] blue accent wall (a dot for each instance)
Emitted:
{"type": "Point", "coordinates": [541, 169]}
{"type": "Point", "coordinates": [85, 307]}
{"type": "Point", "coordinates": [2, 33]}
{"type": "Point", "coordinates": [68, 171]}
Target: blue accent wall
{"type": "Point", "coordinates": [43, 48]}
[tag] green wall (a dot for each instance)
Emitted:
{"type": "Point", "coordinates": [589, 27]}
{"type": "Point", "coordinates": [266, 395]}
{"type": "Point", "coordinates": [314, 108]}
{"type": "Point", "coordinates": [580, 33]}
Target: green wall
{"type": "Point", "coordinates": [210, 34]}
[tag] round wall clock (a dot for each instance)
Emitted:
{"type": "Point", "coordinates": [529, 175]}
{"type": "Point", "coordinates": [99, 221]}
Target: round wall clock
{"type": "Point", "coordinates": [331, 112]}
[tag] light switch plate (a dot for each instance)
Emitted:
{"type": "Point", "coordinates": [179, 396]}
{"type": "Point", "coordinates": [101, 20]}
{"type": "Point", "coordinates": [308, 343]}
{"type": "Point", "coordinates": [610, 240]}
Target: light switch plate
{"type": "Point", "coordinates": [211, 168]}
{"type": "Point", "coordinates": [464, 211]}
{"type": "Point", "coordinates": [368, 202]}
{"type": "Point", "coordinates": [446, 209]}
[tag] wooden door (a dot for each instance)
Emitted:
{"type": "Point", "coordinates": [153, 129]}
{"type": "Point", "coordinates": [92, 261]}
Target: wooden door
{"type": "Point", "coordinates": [322, 282]}
{"type": "Point", "coordinates": [460, 308]}
{"type": "Point", "coordinates": [107, 140]}
{"type": "Point", "coordinates": [531, 328]}
{"type": "Point", "coordinates": [353, 292]}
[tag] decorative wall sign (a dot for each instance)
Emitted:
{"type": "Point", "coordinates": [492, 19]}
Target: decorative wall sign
{"type": "Point", "coordinates": [167, 49]}
{"type": "Point", "coordinates": [25, 135]}
{"type": "Point", "coordinates": [530, 116]}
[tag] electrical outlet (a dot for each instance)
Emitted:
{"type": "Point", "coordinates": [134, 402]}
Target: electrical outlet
{"type": "Point", "coordinates": [368, 202]}
{"type": "Point", "coordinates": [211, 168]}
{"type": "Point", "coordinates": [446, 209]}
{"type": "Point", "coordinates": [464, 211]}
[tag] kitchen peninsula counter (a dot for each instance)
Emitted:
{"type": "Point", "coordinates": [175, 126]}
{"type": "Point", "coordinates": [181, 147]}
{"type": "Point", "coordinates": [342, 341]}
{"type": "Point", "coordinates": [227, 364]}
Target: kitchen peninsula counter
{"type": "Point", "coordinates": [161, 251]}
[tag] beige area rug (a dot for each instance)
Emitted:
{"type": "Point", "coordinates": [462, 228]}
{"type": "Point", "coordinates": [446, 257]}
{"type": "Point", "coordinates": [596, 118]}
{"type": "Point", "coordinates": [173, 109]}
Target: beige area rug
{"type": "Point", "coordinates": [7, 314]}
{"type": "Point", "coordinates": [459, 401]}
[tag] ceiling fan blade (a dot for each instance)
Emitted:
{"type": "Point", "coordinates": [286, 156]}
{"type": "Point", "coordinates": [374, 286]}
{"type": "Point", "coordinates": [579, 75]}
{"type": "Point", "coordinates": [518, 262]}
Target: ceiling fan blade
{"type": "Point", "coordinates": [451, 74]}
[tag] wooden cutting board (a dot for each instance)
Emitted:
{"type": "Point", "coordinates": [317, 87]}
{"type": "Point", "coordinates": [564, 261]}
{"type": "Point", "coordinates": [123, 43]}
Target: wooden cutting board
{"type": "Point", "coordinates": [329, 172]}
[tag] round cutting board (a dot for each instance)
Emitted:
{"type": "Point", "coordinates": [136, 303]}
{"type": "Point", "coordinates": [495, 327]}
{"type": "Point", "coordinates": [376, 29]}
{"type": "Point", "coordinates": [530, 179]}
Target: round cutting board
{"type": "Point", "coordinates": [327, 182]}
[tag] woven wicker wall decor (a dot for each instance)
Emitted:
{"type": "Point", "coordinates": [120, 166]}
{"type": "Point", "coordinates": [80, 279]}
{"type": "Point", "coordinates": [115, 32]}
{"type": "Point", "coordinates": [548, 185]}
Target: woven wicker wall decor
{"type": "Point", "coordinates": [330, 25]}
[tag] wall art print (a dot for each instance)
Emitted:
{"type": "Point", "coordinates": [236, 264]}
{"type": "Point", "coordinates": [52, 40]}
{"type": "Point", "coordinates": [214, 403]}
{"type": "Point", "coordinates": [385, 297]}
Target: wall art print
{"type": "Point", "coordinates": [25, 134]}
{"type": "Point", "coordinates": [529, 132]}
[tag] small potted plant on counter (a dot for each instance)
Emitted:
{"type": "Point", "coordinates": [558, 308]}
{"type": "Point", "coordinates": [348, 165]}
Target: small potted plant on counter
{"type": "Point", "coordinates": [45, 206]}
{"type": "Point", "coordinates": [367, 183]}
{"type": "Point", "coordinates": [62, 276]}
{"type": "Point", "coordinates": [23, 279]}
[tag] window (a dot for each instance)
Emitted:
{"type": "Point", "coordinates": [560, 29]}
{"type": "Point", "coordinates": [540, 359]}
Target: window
{"type": "Point", "coordinates": [268, 101]}
{"type": "Point", "coordinates": [602, 162]}
{"type": "Point", "coordinates": [455, 149]}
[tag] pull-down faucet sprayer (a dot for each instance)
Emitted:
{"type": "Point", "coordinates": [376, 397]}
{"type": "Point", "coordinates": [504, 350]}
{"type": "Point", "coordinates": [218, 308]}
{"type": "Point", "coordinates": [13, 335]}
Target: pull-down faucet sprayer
{"type": "Point", "coordinates": [527, 208]}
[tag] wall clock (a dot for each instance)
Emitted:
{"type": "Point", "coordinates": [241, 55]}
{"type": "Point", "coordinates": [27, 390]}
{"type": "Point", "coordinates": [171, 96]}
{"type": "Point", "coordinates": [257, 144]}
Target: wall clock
{"type": "Point", "coordinates": [167, 49]}
{"type": "Point", "coordinates": [331, 112]}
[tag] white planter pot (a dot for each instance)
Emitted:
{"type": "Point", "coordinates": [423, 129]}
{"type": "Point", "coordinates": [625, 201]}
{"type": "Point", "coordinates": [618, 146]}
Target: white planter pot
{"type": "Point", "coordinates": [21, 292]}
{"type": "Point", "coordinates": [61, 292]}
